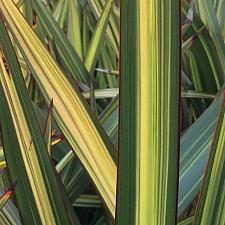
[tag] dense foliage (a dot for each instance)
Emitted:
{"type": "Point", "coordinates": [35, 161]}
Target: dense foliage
{"type": "Point", "coordinates": [60, 143]}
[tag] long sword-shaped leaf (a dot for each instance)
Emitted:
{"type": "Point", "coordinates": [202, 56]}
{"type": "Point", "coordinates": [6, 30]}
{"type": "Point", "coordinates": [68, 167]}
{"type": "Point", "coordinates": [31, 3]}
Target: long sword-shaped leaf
{"type": "Point", "coordinates": [112, 30]}
{"type": "Point", "coordinates": [70, 58]}
{"type": "Point", "coordinates": [149, 106]}
{"type": "Point", "coordinates": [79, 125]}
{"type": "Point", "coordinates": [96, 43]}
{"type": "Point", "coordinates": [78, 181]}
{"type": "Point", "coordinates": [60, 11]}
{"type": "Point", "coordinates": [97, 38]}
{"type": "Point", "coordinates": [211, 203]}
{"type": "Point", "coordinates": [40, 177]}
{"type": "Point", "coordinates": [113, 92]}
{"type": "Point", "coordinates": [193, 154]}
{"type": "Point", "coordinates": [209, 16]}
{"type": "Point", "coordinates": [193, 151]}
{"type": "Point", "coordinates": [74, 32]}
{"type": "Point", "coordinates": [208, 47]}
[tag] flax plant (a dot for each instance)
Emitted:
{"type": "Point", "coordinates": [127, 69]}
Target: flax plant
{"type": "Point", "coordinates": [85, 142]}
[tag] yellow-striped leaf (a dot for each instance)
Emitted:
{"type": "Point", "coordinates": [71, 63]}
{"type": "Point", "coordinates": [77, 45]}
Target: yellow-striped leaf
{"type": "Point", "coordinates": [149, 113]}
{"type": "Point", "coordinates": [211, 204]}
{"type": "Point", "coordinates": [70, 111]}
{"type": "Point", "coordinates": [38, 189]}
{"type": "Point", "coordinates": [97, 38]}
{"type": "Point", "coordinates": [74, 32]}
{"type": "Point", "coordinates": [48, 129]}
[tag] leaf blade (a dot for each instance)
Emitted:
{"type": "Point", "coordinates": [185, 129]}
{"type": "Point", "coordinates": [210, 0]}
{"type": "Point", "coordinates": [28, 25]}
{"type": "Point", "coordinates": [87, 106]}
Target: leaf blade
{"type": "Point", "coordinates": [79, 125]}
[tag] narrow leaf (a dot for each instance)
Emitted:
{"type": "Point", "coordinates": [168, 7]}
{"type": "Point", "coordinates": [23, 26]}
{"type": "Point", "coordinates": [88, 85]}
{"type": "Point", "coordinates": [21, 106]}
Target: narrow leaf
{"type": "Point", "coordinates": [209, 17]}
{"type": "Point", "coordinates": [112, 31]}
{"type": "Point", "coordinates": [60, 11]}
{"type": "Point", "coordinates": [48, 129]}
{"type": "Point", "coordinates": [187, 221]}
{"type": "Point", "coordinates": [4, 198]}
{"type": "Point", "coordinates": [194, 152]}
{"type": "Point", "coordinates": [149, 113]}
{"type": "Point", "coordinates": [83, 131]}
{"type": "Point", "coordinates": [188, 43]}
{"type": "Point", "coordinates": [98, 37]}
{"type": "Point", "coordinates": [40, 178]}
{"type": "Point", "coordinates": [2, 158]}
{"type": "Point", "coordinates": [74, 32]}
{"type": "Point", "coordinates": [71, 59]}
{"type": "Point", "coordinates": [210, 207]}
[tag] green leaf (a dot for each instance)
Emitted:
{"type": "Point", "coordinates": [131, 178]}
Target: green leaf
{"type": "Point", "coordinates": [72, 114]}
{"type": "Point", "coordinates": [193, 154]}
{"type": "Point", "coordinates": [74, 176]}
{"type": "Point", "coordinates": [196, 94]}
{"type": "Point", "coordinates": [113, 92]}
{"type": "Point", "coordinates": [188, 43]}
{"type": "Point", "coordinates": [74, 32]}
{"type": "Point", "coordinates": [206, 50]}
{"type": "Point", "coordinates": [103, 93]}
{"type": "Point", "coordinates": [2, 158]}
{"type": "Point", "coordinates": [149, 113]}
{"type": "Point", "coordinates": [112, 32]}
{"type": "Point", "coordinates": [113, 72]}
{"type": "Point", "coordinates": [64, 161]}
{"type": "Point", "coordinates": [187, 221]}
{"type": "Point", "coordinates": [69, 56]}
{"type": "Point", "coordinates": [209, 17]}
{"type": "Point", "coordinates": [98, 37]}
{"type": "Point", "coordinates": [210, 207]}
{"type": "Point", "coordinates": [60, 11]}
{"type": "Point", "coordinates": [48, 129]}
{"type": "Point", "coordinates": [88, 201]}
{"type": "Point", "coordinates": [38, 186]}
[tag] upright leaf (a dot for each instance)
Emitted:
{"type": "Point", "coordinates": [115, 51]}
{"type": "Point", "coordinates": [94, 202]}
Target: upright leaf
{"type": "Point", "coordinates": [112, 31]}
{"type": "Point", "coordinates": [211, 208]}
{"type": "Point", "coordinates": [72, 62]}
{"type": "Point", "coordinates": [48, 129]}
{"type": "Point", "coordinates": [209, 16]}
{"type": "Point", "coordinates": [98, 37]}
{"type": "Point", "coordinates": [2, 158]}
{"type": "Point", "coordinates": [149, 113]}
{"type": "Point", "coordinates": [74, 32]}
{"type": "Point", "coordinates": [59, 12]}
